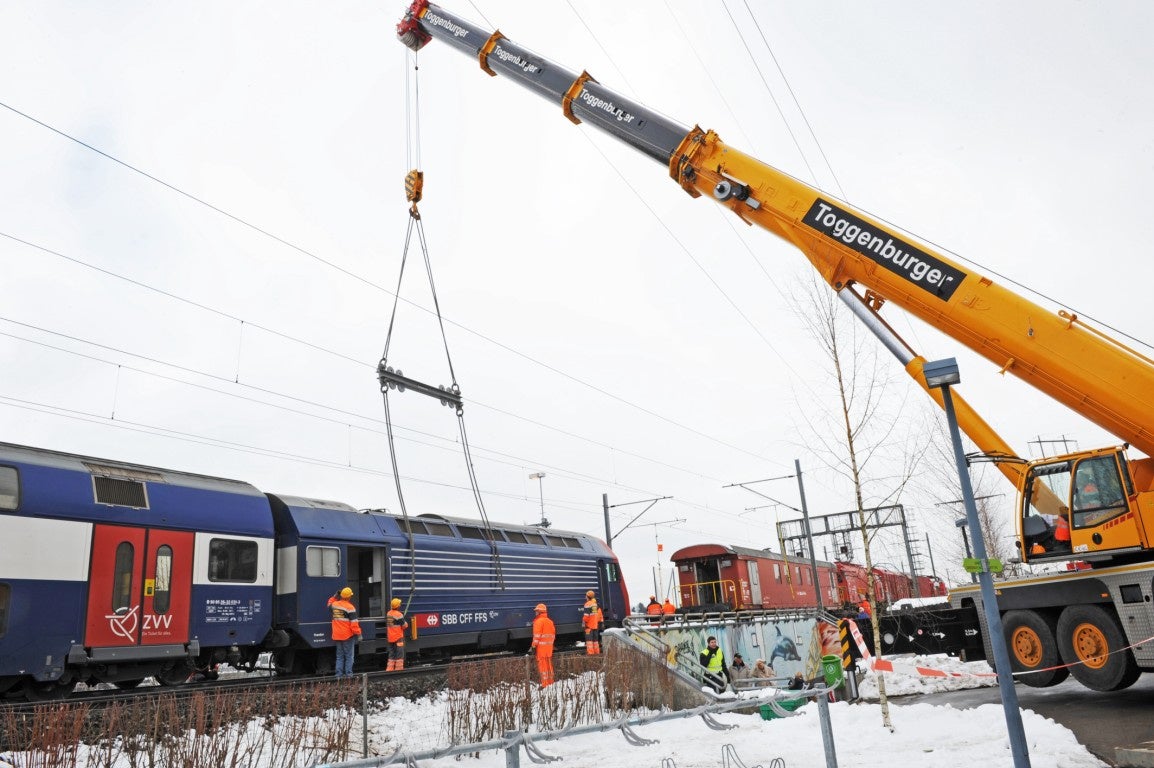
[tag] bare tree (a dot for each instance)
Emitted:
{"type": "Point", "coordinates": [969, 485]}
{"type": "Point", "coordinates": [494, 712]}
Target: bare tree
{"type": "Point", "coordinates": [938, 482]}
{"type": "Point", "coordinates": [863, 438]}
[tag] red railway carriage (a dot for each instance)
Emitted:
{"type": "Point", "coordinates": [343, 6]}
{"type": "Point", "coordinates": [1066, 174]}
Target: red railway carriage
{"type": "Point", "coordinates": [931, 586]}
{"type": "Point", "coordinates": [851, 583]}
{"type": "Point", "coordinates": [743, 579]}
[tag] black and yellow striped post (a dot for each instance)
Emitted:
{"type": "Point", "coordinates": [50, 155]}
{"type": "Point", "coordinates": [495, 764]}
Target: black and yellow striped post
{"type": "Point", "coordinates": [849, 656]}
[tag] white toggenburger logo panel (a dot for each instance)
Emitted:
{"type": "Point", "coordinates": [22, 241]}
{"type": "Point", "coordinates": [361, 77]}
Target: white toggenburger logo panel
{"type": "Point", "coordinates": [915, 265]}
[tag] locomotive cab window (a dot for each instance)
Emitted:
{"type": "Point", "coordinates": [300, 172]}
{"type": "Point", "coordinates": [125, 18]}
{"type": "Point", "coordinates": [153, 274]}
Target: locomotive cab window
{"type": "Point", "coordinates": [232, 560]}
{"type": "Point", "coordinates": [9, 488]}
{"type": "Point", "coordinates": [611, 572]}
{"type": "Point", "coordinates": [323, 561]}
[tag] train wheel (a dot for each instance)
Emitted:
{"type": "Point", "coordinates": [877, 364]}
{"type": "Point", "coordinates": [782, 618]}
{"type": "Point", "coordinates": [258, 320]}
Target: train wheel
{"type": "Point", "coordinates": [1033, 643]}
{"type": "Point", "coordinates": [50, 691]}
{"type": "Point", "coordinates": [128, 685]}
{"type": "Point", "coordinates": [1091, 640]}
{"type": "Point", "coordinates": [175, 675]}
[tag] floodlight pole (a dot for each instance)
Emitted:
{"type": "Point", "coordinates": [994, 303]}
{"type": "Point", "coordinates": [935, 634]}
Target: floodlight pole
{"type": "Point", "coordinates": [941, 374]}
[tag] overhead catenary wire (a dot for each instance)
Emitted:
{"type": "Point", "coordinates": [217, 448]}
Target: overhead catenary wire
{"type": "Point", "coordinates": [474, 422]}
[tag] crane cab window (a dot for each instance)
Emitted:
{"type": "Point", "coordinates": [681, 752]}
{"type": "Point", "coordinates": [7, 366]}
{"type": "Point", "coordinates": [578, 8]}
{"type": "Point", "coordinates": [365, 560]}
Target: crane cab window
{"type": "Point", "coordinates": [1097, 493]}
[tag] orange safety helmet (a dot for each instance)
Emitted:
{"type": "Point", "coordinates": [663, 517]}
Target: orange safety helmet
{"type": "Point", "coordinates": [395, 602]}
{"type": "Point", "coordinates": [541, 608]}
{"type": "Point", "coordinates": [589, 593]}
{"type": "Point", "coordinates": [346, 592]}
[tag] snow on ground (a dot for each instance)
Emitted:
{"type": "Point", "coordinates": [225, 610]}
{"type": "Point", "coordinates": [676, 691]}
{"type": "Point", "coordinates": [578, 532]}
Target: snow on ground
{"type": "Point", "coordinates": [923, 735]}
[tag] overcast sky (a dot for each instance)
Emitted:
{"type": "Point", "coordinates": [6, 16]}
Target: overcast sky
{"type": "Point", "coordinates": [207, 284]}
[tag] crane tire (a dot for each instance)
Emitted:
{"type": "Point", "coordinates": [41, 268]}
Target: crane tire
{"type": "Point", "coordinates": [1093, 643]}
{"type": "Point", "coordinates": [1032, 640]}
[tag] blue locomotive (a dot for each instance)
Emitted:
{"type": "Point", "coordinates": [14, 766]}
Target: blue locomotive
{"type": "Point", "coordinates": [114, 572]}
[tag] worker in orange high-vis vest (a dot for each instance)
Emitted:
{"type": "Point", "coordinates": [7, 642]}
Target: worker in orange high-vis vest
{"type": "Point", "coordinates": [668, 608]}
{"type": "Point", "coordinates": [1062, 531]}
{"type": "Point", "coordinates": [593, 621]}
{"type": "Point", "coordinates": [346, 630]}
{"type": "Point", "coordinates": [395, 626]}
{"type": "Point", "coordinates": [544, 633]}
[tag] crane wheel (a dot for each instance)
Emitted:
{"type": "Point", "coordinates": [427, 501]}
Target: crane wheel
{"type": "Point", "coordinates": [1093, 643]}
{"type": "Point", "coordinates": [1032, 640]}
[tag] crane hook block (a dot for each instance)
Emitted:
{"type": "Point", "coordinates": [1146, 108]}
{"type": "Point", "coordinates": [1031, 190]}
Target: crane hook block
{"type": "Point", "coordinates": [414, 185]}
{"type": "Point", "coordinates": [409, 30]}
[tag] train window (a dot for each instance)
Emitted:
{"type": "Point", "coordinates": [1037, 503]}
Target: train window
{"type": "Point", "coordinates": [323, 561]}
{"type": "Point", "coordinates": [415, 527]}
{"type": "Point", "coordinates": [439, 529]}
{"type": "Point", "coordinates": [122, 577]}
{"type": "Point", "coordinates": [119, 492]}
{"type": "Point", "coordinates": [162, 586]}
{"type": "Point", "coordinates": [9, 488]}
{"type": "Point", "coordinates": [471, 532]}
{"type": "Point", "coordinates": [517, 537]}
{"type": "Point", "coordinates": [777, 572]}
{"type": "Point", "coordinates": [611, 572]}
{"type": "Point", "coordinates": [554, 541]}
{"type": "Point", "coordinates": [232, 560]}
{"type": "Point", "coordinates": [571, 542]}
{"type": "Point", "coordinates": [5, 599]}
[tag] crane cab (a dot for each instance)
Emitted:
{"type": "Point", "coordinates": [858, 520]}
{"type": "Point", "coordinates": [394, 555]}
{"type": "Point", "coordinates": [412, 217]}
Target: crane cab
{"type": "Point", "coordinates": [1084, 506]}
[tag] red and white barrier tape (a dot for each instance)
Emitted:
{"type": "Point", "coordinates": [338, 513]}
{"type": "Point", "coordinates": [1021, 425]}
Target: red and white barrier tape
{"type": "Point", "coordinates": [882, 665]}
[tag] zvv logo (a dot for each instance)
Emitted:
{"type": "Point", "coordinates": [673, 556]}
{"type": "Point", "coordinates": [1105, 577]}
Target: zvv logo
{"type": "Point", "coordinates": [123, 623]}
{"type": "Point", "coordinates": [153, 621]}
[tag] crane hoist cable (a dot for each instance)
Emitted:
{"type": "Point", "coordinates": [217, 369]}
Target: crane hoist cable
{"type": "Point", "coordinates": [394, 379]}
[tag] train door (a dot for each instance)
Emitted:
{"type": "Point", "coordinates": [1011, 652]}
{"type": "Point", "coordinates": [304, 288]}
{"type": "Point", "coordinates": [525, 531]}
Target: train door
{"type": "Point", "coordinates": [708, 576]}
{"type": "Point", "coordinates": [754, 582]}
{"type": "Point", "coordinates": [366, 577]}
{"type": "Point", "coordinates": [139, 587]}
{"type": "Point", "coordinates": [609, 576]}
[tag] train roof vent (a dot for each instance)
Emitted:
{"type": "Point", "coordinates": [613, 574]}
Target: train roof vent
{"type": "Point", "coordinates": [121, 493]}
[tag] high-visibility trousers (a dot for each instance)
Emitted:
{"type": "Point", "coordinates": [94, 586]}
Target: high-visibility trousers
{"type": "Point", "coordinates": [545, 669]}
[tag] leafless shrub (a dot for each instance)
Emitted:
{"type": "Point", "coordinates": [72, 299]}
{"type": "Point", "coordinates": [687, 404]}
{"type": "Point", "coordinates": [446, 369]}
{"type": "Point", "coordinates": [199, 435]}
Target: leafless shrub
{"type": "Point", "coordinates": [288, 726]}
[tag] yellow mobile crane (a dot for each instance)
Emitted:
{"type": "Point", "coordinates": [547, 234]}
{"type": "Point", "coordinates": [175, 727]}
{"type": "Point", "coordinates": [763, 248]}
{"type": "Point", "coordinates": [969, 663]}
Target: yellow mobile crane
{"type": "Point", "coordinates": [1093, 506]}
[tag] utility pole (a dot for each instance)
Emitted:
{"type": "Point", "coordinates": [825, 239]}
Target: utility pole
{"type": "Point", "coordinates": [817, 585]}
{"type": "Point", "coordinates": [606, 506]}
{"type": "Point", "coordinates": [962, 522]}
{"type": "Point", "coordinates": [930, 550]}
